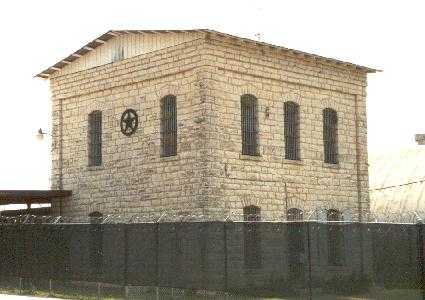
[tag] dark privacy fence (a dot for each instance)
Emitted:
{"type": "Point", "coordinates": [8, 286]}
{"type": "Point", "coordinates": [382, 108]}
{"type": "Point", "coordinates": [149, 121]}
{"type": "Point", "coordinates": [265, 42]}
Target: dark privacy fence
{"type": "Point", "coordinates": [252, 258]}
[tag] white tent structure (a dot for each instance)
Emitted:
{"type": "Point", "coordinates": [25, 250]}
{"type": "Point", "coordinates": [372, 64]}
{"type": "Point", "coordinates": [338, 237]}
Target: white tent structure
{"type": "Point", "coordinates": [397, 184]}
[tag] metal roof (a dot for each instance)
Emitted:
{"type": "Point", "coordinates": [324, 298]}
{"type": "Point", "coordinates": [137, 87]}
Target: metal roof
{"type": "Point", "coordinates": [102, 39]}
{"type": "Point", "coordinates": [31, 196]}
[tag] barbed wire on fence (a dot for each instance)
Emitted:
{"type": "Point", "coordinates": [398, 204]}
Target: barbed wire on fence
{"type": "Point", "coordinates": [315, 215]}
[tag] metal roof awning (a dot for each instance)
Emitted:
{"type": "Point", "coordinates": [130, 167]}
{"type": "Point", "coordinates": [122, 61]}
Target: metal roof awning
{"type": "Point", "coordinates": [32, 196]}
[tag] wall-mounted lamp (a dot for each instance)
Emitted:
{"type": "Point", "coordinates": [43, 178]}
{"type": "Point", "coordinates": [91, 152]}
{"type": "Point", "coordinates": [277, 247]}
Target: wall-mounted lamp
{"type": "Point", "coordinates": [267, 112]}
{"type": "Point", "coordinates": [40, 134]}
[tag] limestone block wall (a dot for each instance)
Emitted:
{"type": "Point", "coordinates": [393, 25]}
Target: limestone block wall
{"type": "Point", "coordinates": [209, 176]}
{"type": "Point", "coordinates": [270, 181]}
{"type": "Point", "coordinates": [133, 178]}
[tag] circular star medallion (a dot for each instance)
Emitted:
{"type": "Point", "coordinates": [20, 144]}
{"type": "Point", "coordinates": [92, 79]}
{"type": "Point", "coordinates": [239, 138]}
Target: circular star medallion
{"type": "Point", "coordinates": [129, 122]}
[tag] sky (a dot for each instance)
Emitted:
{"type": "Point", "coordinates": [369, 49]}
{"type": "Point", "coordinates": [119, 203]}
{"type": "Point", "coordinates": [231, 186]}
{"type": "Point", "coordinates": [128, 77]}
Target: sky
{"type": "Point", "coordinates": [387, 35]}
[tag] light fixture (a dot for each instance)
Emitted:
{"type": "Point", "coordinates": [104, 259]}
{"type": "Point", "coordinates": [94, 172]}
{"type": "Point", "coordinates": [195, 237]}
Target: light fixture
{"type": "Point", "coordinates": [40, 134]}
{"type": "Point", "coordinates": [267, 112]}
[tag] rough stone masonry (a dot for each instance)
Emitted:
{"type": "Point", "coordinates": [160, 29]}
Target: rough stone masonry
{"type": "Point", "coordinates": [209, 177]}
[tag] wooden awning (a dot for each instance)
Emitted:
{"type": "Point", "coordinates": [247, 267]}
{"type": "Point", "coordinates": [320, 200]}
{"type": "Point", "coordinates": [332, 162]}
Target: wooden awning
{"type": "Point", "coordinates": [32, 196]}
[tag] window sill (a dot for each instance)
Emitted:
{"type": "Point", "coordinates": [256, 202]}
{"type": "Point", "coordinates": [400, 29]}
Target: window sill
{"type": "Point", "coordinates": [331, 166]}
{"type": "Point", "coordinates": [297, 162]}
{"type": "Point", "coordinates": [95, 168]}
{"type": "Point", "coordinates": [170, 158]}
{"type": "Point", "coordinates": [250, 157]}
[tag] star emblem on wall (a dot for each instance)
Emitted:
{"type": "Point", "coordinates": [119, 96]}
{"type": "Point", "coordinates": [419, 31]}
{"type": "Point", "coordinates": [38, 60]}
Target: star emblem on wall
{"type": "Point", "coordinates": [129, 122]}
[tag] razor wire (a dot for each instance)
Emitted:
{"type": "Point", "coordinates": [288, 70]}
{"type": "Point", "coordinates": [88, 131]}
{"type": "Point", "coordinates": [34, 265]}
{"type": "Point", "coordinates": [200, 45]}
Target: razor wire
{"type": "Point", "coordinates": [316, 215]}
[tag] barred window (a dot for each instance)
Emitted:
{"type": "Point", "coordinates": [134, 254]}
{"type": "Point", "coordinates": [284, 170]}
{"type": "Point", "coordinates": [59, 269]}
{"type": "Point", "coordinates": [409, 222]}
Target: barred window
{"type": "Point", "coordinates": [95, 138]}
{"type": "Point", "coordinates": [336, 247]}
{"type": "Point", "coordinates": [251, 213]}
{"type": "Point", "coordinates": [168, 126]}
{"type": "Point", "coordinates": [249, 125]}
{"type": "Point", "coordinates": [292, 131]}
{"type": "Point", "coordinates": [252, 237]}
{"type": "Point", "coordinates": [330, 135]}
{"type": "Point", "coordinates": [95, 217]}
{"type": "Point", "coordinates": [333, 215]}
{"type": "Point", "coordinates": [294, 214]}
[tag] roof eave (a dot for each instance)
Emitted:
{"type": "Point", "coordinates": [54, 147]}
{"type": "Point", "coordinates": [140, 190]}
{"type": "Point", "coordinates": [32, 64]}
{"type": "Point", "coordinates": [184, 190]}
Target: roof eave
{"type": "Point", "coordinates": [99, 41]}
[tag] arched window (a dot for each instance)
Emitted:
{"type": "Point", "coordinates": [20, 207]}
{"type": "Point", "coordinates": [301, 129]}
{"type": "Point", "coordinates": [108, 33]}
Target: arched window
{"type": "Point", "coordinates": [330, 135]}
{"type": "Point", "coordinates": [168, 126]}
{"type": "Point", "coordinates": [292, 130]}
{"type": "Point", "coordinates": [249, 125]}
{"type": "Point", "coordinates": [252, 237]}
{"type": "Point", "coordinates": [294, 214]}
{"type": "Point", "coordinates": [333, 215]}
{"type": "Point", "coordinates": [252, 213]}
{"type": "Point", "coordinates": [95, 138]}
{"type": "Point", "coordinates": [95, 217]}
{"type": "Point", "coordinates": [336, 247]}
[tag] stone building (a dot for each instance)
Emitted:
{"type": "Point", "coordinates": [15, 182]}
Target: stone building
{"type": "Point", "coordinates": [203, 123]}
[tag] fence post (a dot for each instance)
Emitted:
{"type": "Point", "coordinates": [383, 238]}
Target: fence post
{"type": "Point", "coordinates": [225, 256]}
{"type": "Point", "coordinates": [50, 288]}
{"type": "Point", "coordinates": [361, 242]}
{"type": "Point", "coordinates": [125, 259]}
{"type": "Point", "coordinates": [310, 292]}
{"type": "Point", "coordinates": [157, 256]}
{"type": "Point", "coordinates": [421, 258]}
{"type": "Point", "coordinates": [20, 244]}
{"type": "Point", "coordinates": [20, 285]}
{"type": "Point", "coordinates": [98, 291]}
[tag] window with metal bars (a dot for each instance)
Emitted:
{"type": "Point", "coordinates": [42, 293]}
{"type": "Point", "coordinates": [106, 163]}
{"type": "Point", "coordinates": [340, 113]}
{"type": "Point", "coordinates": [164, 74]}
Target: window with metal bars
{"type": "Point", "coordinates": [330, 135]}
{"type": "Point", "coordinates": [95, 138]}
{"type": "Point", "coordinates": [336, 247]}
{"type": "Point", "coordinates": [249, 125]}
{"type": "Point", "coordinates": [251, 213]}
{"type": "Point", "coordinates": [292, 134]}
{"type": "Point", "coordinates": [294, 214]}
{"type": "Point", "coordinates": [252, 237]}
{"type": "Point", "coordinates": [168, 126]}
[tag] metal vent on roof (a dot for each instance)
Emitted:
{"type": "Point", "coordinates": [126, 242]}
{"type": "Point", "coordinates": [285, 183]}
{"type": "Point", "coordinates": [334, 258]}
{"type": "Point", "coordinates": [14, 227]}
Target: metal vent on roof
{"type": "Point", "coordinates": [118, 54]}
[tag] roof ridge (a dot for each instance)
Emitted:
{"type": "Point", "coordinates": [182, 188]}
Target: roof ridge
{"type": "Point", "coordinates": [102, 39]}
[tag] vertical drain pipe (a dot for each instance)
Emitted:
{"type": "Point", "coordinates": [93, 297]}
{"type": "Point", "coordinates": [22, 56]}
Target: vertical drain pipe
{"type": "Point", "coordinates": [359, 186]}
{"type": "Point", "coordinates": [359, 193]}
{"type": "Point", "coordinates": [61, 144]}
{"type": "Point", "coordinates": [286, 199]}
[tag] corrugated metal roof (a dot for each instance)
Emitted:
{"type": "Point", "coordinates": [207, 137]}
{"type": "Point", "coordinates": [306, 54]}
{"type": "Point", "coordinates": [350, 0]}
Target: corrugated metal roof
{"type": "Point", "coordinates": [99, 41]}
{"type": "Point", "coordinates": [397, 181]}
{"type": "Point", "coordinates": [31, 196]}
